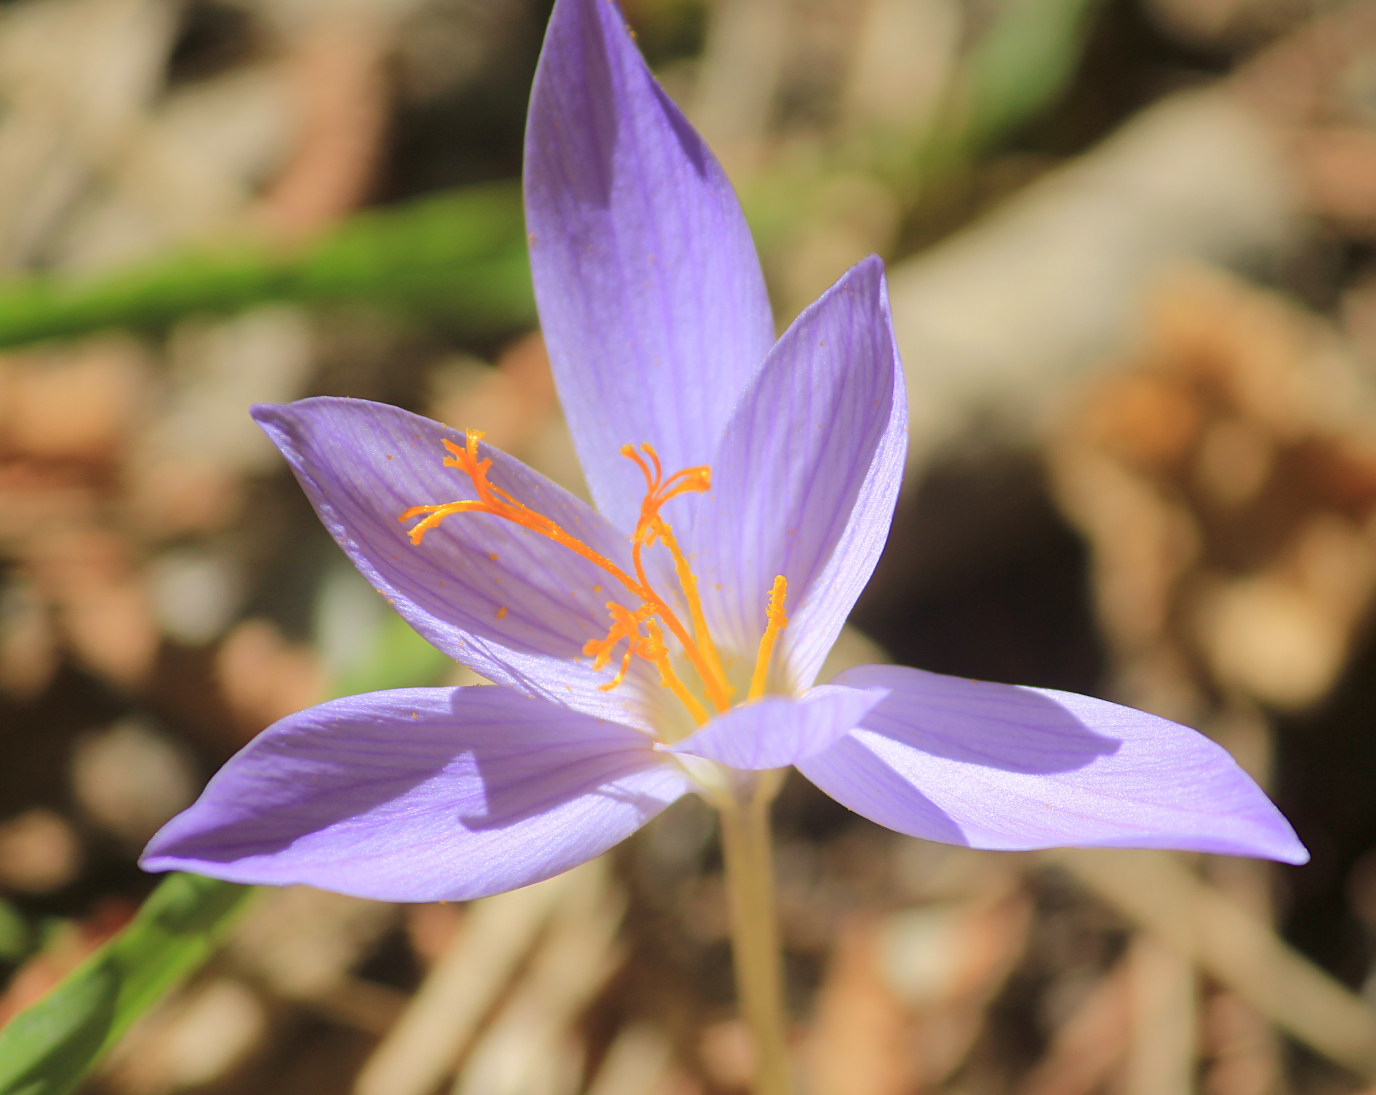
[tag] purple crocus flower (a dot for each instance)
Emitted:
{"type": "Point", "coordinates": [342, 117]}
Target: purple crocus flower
{"type": "Point", "coordinates": [669, 639]}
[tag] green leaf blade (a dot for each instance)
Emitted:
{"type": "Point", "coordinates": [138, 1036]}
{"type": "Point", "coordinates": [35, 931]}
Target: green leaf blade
{"type": "Point", "coordinates": [48, 1048]}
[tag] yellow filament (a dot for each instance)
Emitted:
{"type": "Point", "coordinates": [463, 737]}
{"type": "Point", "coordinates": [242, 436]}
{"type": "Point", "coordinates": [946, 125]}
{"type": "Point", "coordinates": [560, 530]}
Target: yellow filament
{"type": "Point", "coordinates": [777, 622]}
{"type": "Point", "coordinates": [717, 684]}
{"type": "Point", "coordinates": [466, 460]}
{"type": "Point", "coordinates": [653, 649]}
{"type": "Point", "coordinates": [702, 652]}
{"type": "Point", "coordinates": [650, 526]}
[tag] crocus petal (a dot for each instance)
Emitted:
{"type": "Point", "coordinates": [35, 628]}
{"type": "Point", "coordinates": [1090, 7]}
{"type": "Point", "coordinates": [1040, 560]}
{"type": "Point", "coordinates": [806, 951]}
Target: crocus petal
{"type": "Point", "coordinates": [999, 766]}
{"type": "Point", "coordinates": [505, 601]}
{"type": "Point", "coordinates": [421, 794]}
{"type": "Point", "coordinates": [650, 293]}
{"type": "Point", "coordinates": [806, 477]}
{"type": "Point", "coordinates": [777, 731]}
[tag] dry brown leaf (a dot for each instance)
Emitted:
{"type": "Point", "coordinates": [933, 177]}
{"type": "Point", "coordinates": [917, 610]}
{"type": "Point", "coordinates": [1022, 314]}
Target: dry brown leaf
{"type": "Point", "coordinates": [80, 402]}
{"type": "Point", "coordinates": [1089, 1045]}
{"type": "Point", "coordinates": [264, 677]}
{"type": "Point", "coordinates": [39, 851]}
{"type": "Point", "coordinates": [1245, 1056]}
{"type": "Point", "coordinates": [859, 1042]}
{"type": "Point", "coordinates": [103, 608]}
{"type": "Point", "coordinates": [341, 93]}
{"type": "Point", "coordinates": [1226, 480]}
{"type": "Point", "coordinates": [28, 640]}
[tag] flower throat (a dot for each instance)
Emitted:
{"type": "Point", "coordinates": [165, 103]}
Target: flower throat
{"type": "Point", "coordinates": [642, 634]}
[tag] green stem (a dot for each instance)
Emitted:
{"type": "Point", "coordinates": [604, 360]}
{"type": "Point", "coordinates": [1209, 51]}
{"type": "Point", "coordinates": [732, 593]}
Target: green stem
{"type": "Point", "coordinates": [754, 934]}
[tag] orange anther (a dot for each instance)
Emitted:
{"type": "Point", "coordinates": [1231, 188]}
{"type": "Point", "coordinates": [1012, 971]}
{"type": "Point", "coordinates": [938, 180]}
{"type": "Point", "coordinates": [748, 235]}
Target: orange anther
{"type": "Point", "coordinates": [777, 622]}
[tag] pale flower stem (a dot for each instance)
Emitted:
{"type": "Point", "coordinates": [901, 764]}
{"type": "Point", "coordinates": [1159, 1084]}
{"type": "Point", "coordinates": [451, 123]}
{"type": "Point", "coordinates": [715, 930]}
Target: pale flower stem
{"type": "Point", "coordinates": [755, 947]}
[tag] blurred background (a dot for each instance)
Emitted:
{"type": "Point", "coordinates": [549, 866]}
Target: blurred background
{"type": "Point", "coordinates": [1132, 250]}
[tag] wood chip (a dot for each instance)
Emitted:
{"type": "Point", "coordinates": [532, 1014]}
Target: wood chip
{"type": "Point", "coordinates": [1089, 1045]}
{"type": "Point", "coordinates": [531, 1047]}
{"type": "Point", "coordinates": [1231, 945]}
{"type": "Point", "coordinates": [445, 1013]}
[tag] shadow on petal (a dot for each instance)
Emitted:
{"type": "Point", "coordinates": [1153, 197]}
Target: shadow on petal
{"type": "Point", "coordinates": [856, 778]}
{"type": "Point", "coordinates": [512, 793]}
{"type": "Point", "coordinates": [994, 726]}
{"type": "Point", "coordinates": [998, 766]}
{"type": "Point", "coordinates": [421, 794]}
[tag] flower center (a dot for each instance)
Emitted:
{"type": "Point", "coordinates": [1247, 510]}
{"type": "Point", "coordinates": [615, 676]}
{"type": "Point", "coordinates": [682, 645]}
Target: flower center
{"type": "Point", "coordinates": [639, 628]}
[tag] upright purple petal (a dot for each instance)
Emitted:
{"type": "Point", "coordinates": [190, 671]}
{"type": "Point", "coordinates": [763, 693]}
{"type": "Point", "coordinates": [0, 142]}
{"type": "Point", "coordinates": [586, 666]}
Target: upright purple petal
{"type": "Point", "coordinates": [422, 794]}
{"type": "Point", "coordinates": [806, 478]}
{"type": "Point", "coordinates": [503, 600]}
{"type": "Point", "coordinates": [777, 731]}
{"type": "Point", "coordinates": [650, 293]}
{"type": "Point", "coordinates": [999, 766]}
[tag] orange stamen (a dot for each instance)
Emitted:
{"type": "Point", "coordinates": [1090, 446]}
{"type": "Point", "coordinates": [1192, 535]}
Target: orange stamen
{"type": "Point", "coordinates": [777, 622]}
{"type": "Point", "coordinates": [650, 527]}
{"type": "Point", "coordinates": [689, 584]}
{"type": "Point", "coordinates": [466, 460]}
